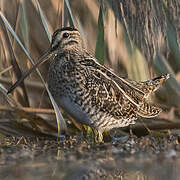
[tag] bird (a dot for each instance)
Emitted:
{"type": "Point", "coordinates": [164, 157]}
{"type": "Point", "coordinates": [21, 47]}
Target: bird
{"type": "Point", "coordinates": [92, 93]}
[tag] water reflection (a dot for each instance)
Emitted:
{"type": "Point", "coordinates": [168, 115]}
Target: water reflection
{"type": "Point", "coordinates": [83, 161]}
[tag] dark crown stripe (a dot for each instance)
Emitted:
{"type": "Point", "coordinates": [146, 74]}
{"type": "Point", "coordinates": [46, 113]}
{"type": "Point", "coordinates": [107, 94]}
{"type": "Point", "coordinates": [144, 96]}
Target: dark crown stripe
{"type": "Point", "coordinates": [64, 29]}
{"type": "Point", "coordinates": [68, 29]}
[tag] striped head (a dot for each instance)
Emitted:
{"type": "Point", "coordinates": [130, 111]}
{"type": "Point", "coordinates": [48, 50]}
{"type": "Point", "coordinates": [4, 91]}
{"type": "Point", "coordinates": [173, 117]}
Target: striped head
{"type": "Point", "coordinates": [67, 38]}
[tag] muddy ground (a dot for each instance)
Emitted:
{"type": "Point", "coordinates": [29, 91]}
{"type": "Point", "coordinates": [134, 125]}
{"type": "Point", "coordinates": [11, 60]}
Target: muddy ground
{"type": "Point", "coordinates": [128, 158]}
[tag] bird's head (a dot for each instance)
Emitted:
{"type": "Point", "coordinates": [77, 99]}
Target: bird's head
{"type": "Point", "coordinates": [67, 38]}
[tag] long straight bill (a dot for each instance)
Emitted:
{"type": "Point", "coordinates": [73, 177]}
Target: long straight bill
{"type": "Point", "coordinates": [42, 59]}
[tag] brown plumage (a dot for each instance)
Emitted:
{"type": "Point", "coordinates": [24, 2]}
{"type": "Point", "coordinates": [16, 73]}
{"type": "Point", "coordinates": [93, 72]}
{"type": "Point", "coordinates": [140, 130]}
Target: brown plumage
{"type": "Point", "coordinates": [90, 92]}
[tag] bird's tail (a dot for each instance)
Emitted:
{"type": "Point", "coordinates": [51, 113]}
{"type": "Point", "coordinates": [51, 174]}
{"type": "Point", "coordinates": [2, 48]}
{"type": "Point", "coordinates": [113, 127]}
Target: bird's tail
{"type": "Point", "coordinates": [148, 111]}
{"type": "Point", "coordinates": [155, 83]}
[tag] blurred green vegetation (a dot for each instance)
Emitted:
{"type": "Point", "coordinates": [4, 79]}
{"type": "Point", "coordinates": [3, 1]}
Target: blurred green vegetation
{"type": "Point", "coordinates": [138, 39]}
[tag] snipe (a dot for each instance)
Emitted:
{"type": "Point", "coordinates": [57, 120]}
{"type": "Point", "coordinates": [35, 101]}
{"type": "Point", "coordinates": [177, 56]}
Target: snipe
{"type": "Point", "coordinates": [90, 92]}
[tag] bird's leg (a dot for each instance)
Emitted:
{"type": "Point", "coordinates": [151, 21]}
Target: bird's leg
{"type": "Point", "coordinates": [130, 131]}
{"type": "Point", "coordinates": [106, 136]}
{"type": "Point", "coordinates": [132, 135]}
{"type": "Point", "coordinates": [98, 136]}
{"type": "Point", "coordinates": [84, 129]}
{"type": "Point", "coordinates": [87, 132]}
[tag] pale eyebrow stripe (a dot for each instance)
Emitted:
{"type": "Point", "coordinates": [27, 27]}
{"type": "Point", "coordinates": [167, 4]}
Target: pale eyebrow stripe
{"type": "Point", "coordinates": [73, 32]}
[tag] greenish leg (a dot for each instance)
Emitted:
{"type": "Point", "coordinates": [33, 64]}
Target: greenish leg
{"type": "Point", "coordinates": [98, 136]}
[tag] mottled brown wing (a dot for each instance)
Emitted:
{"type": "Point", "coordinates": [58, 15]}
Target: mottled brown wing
{"type": "Point", "coordinates": [106, 96]}
{"type": "Point", "coordinates": [117, 95]}
{"type": "Point", "coordinates": [131, 92]}
{"type": "Point", "coordinates": [137, 91]}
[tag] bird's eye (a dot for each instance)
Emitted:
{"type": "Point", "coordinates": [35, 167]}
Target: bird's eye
{"type": "Point", "coordinates": [65, 35]}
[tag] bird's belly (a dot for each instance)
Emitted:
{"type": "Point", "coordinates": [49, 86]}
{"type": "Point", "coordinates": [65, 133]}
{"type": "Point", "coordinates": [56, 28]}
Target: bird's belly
{"type": "Point", "coordinates": [74, 110]}
{"type": "Point", "coordinates": [93, 118]}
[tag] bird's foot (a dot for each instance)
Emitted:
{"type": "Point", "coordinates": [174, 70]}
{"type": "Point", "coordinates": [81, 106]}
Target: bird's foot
{"type": "Point", "coordinates": [98, 136]}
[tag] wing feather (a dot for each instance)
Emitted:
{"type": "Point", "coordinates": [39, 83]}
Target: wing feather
{"type": "Point", "coordinates": [118, 95]}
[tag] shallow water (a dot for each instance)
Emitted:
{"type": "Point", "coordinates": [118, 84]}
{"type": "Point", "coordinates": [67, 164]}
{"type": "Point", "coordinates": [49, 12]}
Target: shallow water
{"type": "Point", "coordinates": [136, 159]}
